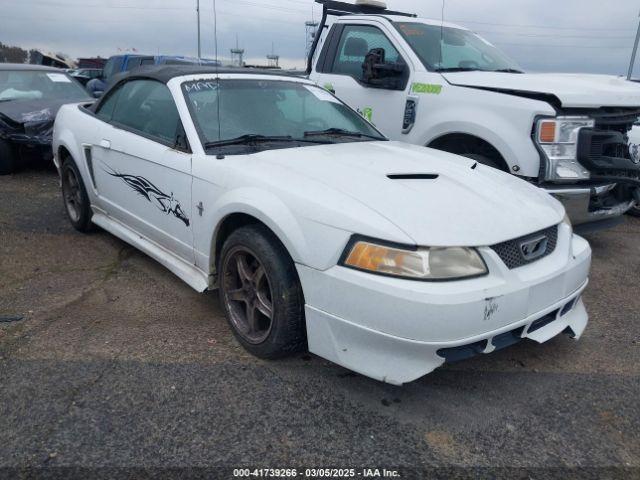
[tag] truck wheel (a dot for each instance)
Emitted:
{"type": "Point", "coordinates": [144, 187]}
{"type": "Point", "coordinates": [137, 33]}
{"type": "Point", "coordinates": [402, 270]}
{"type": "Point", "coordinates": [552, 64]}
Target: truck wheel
{"type": "Point", "coordinates": [8, 158]}
{"type": "Point", "coordinates": [261, 293]}
{"type": "Point", "coordinates": [76, 200]}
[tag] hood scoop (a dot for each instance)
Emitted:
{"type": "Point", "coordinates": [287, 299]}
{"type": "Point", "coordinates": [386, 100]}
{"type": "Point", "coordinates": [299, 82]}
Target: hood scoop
{"type": "Point", "coordinates": [413, 176]}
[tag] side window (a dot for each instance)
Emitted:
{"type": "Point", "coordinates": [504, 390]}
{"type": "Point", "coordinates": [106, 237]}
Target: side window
{"type": "Point", "coordinates": [147, 107]}
{"type": "Point", "coordinates": [113, 66]}
{"type": "Point", "coordinates": [355, 43]}
{"type": "Point", "coordinates": [105, 112]}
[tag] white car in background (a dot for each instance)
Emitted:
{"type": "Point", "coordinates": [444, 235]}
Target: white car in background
{"type": "Point", "coordinates": [386, 258]}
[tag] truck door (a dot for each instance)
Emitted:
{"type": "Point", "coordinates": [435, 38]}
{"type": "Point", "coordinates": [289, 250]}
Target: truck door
{"type": "Point", "coordinates": [340, 69]}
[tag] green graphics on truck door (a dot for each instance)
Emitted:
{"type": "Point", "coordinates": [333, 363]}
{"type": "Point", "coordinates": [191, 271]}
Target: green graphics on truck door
{"type": "Point", "coordinates": [367, 113]}
{"type": "Point", "coordinates": [427, 88]}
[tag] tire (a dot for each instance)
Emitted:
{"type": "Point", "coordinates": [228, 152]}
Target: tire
{"type": "Point", "coordinates": [8, 158]}
{"type": "Point", "coordinates": [258, 278]}
{"type": "Point", "coordinates": [75, 198]}
{"type": "Point", "coordinates": [634, 212]}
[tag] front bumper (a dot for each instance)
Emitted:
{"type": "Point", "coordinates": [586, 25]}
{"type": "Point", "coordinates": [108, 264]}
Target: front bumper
{"type": "Point", "coordinates": [596, 206]}
{"type": "Point", "coordinates": [399, 330]}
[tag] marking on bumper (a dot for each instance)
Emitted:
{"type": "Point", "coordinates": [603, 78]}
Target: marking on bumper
{"type": "Point", "coordinates": [491, 307]}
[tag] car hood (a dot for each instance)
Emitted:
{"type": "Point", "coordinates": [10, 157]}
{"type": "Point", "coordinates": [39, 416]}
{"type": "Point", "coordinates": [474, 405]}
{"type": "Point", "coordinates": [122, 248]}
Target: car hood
{"type": "Point", "coordinates": [463, 206]}
{"type": "Point", "coordinates": [573, 90]}
{"type": "Point", "coordinates": [24, 111]}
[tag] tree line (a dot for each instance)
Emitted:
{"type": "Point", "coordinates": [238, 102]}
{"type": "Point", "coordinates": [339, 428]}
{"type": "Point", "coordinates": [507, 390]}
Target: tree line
{"type": "Point", "coordinates": [13, 54]}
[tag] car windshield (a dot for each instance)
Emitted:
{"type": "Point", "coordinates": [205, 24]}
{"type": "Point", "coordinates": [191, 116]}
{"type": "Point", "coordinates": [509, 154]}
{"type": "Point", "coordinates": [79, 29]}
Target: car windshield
{"type": "Point", "coordinates": [454, 49]}
{"type": "Point", "coordinates": [262, 114]}
{"type": "Point", "coordinates": [16, 85]}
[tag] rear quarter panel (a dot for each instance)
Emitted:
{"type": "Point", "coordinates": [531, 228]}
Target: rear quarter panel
{"type": "Point", "coordinates": [72, 129]}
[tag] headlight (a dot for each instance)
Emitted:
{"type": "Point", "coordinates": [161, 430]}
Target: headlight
{"type": "Point", "coordinates": [417, 264]}
{"type": "Point", "coordinates": [558, 138]}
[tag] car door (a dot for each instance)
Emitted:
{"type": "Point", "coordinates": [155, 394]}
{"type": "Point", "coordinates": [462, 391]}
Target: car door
{"type": "Point", "coordinates": [339, 69]}
{"type": "Point", "coordinates": [142, 165]}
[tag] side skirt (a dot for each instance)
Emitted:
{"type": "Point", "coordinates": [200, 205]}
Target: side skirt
{"type": "Point", "coordinates": [188, 273]}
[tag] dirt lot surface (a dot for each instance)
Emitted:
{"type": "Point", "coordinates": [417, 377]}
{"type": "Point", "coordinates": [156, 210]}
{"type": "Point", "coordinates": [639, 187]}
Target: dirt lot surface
{"type": "Point", "coordinates": [117, 363]}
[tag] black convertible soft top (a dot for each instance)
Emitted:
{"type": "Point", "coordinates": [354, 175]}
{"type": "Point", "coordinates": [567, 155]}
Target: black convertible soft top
{"type": "Point", "coordinates": [164, 73]}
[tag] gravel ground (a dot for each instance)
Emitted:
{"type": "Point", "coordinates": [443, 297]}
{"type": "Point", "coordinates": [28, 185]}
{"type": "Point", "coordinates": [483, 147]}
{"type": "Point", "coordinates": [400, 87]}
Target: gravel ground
{"type": "Point", "coordinates": [120, 369]}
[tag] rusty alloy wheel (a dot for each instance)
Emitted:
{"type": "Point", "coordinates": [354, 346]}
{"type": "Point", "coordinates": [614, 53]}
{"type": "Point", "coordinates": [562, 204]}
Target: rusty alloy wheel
{"type": "Point", "coordinates": [72, 194]}
{"type": "Point", "coordinates": [247, 295]}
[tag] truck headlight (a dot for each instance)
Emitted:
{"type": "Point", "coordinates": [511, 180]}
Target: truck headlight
{"type": "Point", "coordinates": [558, 138]}
{"type": "Point", "coordinates": [429, 264]}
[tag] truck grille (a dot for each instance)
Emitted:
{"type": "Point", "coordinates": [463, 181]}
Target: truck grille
{"type": "Point", "coordinates": [616, 119]}
{"type": "Point", "coordinates": [610, 136]}
{"type": "Point", "coordinates": [510, 252]}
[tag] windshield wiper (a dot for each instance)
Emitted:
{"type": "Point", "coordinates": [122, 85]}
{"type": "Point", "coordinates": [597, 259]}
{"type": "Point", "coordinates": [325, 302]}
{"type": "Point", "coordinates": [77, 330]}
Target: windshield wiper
{"type": "Point", "coordinates": [254, 139]}
{"type": "Point", "coordinates": [340, 132]}
{"type": "Point", "coordinates": [459, 69]}
{"type": "Point", "coordinates": [508, 70]}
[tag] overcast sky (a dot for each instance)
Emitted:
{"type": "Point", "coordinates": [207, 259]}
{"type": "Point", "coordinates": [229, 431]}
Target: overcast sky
{"type": "Point", "coordinates": [593, 36]}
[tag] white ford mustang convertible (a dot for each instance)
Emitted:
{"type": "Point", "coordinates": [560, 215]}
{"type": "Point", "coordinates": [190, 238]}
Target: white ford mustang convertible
{"type": "Point", "coordinates": [386, 258]}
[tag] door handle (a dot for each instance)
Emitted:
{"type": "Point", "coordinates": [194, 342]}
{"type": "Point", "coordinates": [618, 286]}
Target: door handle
{"type": "Point", "coordinates": [106, 144]}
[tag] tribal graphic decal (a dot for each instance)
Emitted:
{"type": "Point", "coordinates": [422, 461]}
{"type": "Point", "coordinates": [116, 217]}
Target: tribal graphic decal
{"type": "Point", "coordinates": [165, 203]}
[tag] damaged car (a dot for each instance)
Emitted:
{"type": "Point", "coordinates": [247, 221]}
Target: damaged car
{"type": "Point", "coordinates": [30, 96]}
{"type": "Point", "coordinates": [386, 258]}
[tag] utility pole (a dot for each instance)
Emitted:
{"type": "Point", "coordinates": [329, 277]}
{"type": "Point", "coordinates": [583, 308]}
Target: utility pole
{"type": "Point", "coordinates": [634, 53]}
{"type": "Point", "coordinates": [198, 12]}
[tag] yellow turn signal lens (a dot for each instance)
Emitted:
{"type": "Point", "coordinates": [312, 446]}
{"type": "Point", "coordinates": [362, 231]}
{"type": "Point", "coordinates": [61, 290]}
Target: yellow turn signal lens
{"type": "Point", "coordinates": [547, 132]}
{"type": "Point", "coordinates": [373, 257]}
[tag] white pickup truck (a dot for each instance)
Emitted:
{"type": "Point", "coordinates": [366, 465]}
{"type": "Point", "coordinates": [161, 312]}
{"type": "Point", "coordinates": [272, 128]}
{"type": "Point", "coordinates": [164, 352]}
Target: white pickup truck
{"type": "Point", "coordinates": [439, 85]}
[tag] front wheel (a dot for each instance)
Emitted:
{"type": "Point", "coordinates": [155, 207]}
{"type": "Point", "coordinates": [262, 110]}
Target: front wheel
{"type": "Point", "coordinates": [261, 293]}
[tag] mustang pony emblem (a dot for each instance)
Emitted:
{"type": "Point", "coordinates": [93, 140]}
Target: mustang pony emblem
{"type": "Point", "coordinates": [165, 203]}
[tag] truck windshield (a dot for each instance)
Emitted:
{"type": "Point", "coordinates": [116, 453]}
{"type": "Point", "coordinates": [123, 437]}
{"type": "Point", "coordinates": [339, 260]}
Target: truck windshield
{"type": "Point", "coordinates": [454, 49]}
{"type": "Point", "coordinates": [16, 85]}
{"type": "Point", "coordinates": [241, 114]}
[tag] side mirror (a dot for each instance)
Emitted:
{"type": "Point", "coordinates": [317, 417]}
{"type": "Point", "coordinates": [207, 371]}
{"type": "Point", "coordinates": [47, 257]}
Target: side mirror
{"type": "Point", "coordinates": [377, 72]}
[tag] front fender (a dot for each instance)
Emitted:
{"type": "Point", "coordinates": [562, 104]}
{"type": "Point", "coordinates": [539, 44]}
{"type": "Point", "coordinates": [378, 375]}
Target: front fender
{"type": "Point", "coordinates": [515, 148]}
{"type": "Point", "coordinates": [308, 243]}
{"type": "Point", "coordinates": [268, 209]}
{"type": "Point", "coordinates": [504, 121]}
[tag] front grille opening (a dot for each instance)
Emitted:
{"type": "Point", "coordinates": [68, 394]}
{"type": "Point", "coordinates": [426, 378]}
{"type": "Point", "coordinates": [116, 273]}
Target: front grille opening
{"type": "Point", "coordinates": [507, 339]}
{"type": "Point", "coordinates": [463, 352]}
{"type": "Point", "coordinates": [510, 252]}
{"type": "Point", "coordinates": [544, 321]}
{"type": "Point", "coordinates": [568, 307]}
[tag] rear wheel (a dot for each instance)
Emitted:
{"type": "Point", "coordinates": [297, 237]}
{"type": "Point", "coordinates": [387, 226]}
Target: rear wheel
{"type": "Point", "coordinates": [8, 158]}
{"type": "Point", "coordinates": [261, 293]}
{"type": "Point", "coordinates": [76, 200]}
